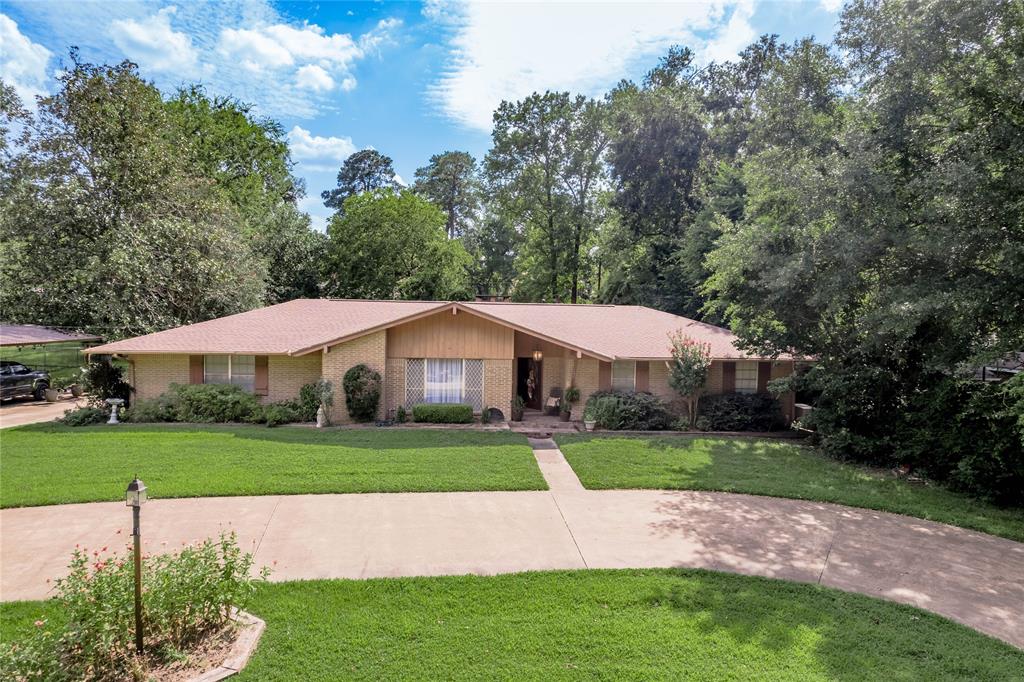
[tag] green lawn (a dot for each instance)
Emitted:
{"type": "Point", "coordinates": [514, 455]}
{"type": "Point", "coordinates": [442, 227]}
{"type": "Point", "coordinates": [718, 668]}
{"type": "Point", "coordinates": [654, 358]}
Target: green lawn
{"type": "Point", "coordinates": [654, 624]}
{"type": "Point", "coordinates": [53, 464]}
{"type": "Point", "coordinates": [767, 467]}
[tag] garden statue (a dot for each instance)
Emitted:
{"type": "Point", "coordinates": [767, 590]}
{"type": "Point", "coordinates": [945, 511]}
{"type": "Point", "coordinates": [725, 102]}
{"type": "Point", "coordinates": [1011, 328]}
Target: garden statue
{"type": "Point", "coordinates": [114, 403]}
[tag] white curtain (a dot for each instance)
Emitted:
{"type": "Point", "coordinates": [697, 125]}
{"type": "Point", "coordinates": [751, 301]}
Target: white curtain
{"type": "Point", "coordinates": [444, 381]}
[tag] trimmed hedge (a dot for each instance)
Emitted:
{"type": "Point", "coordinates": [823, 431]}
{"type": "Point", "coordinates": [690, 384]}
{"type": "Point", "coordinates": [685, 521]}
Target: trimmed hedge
{"type": "Point", "coordinates": [627, 411]}
{"type": "Point", "coordinates": [740, 412]}
{"type": "Point", "coordinates": [443, 413]}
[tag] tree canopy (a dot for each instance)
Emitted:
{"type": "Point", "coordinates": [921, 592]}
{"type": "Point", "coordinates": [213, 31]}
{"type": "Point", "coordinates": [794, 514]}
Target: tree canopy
{"type": "Point", "coordinates": [365, 171]}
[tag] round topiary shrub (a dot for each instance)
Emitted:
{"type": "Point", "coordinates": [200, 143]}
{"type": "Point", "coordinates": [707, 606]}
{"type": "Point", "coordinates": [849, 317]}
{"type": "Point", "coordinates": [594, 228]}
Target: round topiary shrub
{"type": "Point", "coordinates": [362, 393]}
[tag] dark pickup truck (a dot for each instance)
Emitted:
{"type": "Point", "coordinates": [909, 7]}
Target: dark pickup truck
{"type": "Point", "coordinates": [18, 381]}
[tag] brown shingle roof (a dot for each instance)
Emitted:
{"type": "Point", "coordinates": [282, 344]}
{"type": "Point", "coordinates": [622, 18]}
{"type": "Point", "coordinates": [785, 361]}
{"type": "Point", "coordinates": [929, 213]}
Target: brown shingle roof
{"type": "Point", "coordinates": [33, 334]}
{"type": "Point", "coordinates": [282, 329]}
{"type": "Point", "coordinates": [612, 331]}
{"type": "Point", "coordinates": [305, 325]}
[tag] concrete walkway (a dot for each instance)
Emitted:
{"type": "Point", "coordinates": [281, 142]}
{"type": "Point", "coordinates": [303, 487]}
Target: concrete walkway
{"type": "Point", "coordinates": [969, 577]}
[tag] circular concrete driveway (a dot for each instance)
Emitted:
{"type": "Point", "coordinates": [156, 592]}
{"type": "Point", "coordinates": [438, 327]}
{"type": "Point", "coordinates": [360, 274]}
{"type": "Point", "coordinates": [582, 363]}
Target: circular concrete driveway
{"type": "Point", "coordinates": [969, 577]}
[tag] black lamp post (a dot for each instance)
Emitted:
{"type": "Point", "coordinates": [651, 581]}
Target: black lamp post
{"type": "Point", "coordinates": [135, 497]}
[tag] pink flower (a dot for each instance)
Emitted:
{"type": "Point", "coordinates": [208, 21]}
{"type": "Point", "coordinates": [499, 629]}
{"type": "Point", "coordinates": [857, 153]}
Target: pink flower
{"type": "Point", "coordinates": [40, 623]}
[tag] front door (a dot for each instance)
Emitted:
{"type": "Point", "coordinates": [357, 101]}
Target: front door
{"type": "Point", "coordinates": [528, 382]}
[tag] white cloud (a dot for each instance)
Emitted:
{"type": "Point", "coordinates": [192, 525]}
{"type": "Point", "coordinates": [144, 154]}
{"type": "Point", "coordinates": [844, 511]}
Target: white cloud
{"type": "Point", "coordinates": [379, 35]}
{"type": "Point", "coordinates": [398, 178]}
{"type": "Point", "coordinates": [831, 5]}
{"type": "Point", "coordinates": [281, 45]}
{"type": "Point", "coordinates": [313, 77]}
{"type": "Point", "coordinates": [736, 35]}
{"type": "Point", "coordinates": [500, 51]}
{"type": "Point", "coordinates": [318, 61]}
{"type": "Point", "coordinates": [244, 48]}
{"type": "Point", "coordinates": [154, 45]}
{"type": "Point", "coordinates": [308, 147]}
{"type": "Point", "coordinates": [22, 62]}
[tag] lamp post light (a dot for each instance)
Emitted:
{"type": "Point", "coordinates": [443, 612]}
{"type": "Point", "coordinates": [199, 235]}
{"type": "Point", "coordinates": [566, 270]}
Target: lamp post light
{"type": "Point", "coordinates": [135, 497]}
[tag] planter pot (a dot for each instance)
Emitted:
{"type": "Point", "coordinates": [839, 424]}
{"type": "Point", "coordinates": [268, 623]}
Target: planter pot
{"type": "Point", "coordinates": [51, 395]}
{"type": "Point", "coordinates": [564, 416]}
{"type": "Point", "coordinates": [517, 416]}
{"type": "Point", "coordinates": [589, 424]}
{"type": "Point", "coordinates": [77, 390]}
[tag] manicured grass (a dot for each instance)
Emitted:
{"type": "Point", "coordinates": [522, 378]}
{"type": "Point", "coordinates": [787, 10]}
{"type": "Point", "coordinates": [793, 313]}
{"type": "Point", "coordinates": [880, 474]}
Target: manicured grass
{"type": "Point", "coordinates": [775, 468]}
{"type": "Point", "coordinates": [655, 624]}
{"type": "Point", "coordinates": [53, 464]}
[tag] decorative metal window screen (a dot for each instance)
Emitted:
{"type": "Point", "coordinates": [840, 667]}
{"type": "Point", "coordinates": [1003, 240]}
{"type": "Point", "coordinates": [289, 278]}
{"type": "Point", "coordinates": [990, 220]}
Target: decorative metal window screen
{"type": "Point", "coordinates": [444, 380]}
{"type": "Point", "coordinates": [414, 379]}
{"type": "Point", "coordinates": [473, 377]}
{"type": "Point", "coordinates": [746, 376]}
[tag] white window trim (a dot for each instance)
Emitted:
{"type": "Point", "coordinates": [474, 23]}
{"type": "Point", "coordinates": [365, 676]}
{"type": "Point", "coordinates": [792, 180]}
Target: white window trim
{"type": "Point", "coordinates": [231, 365]}
{"type": "Point", "coordinates": [634, 373]}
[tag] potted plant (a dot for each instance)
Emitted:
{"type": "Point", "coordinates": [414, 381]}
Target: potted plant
{"type": "Point", "coordinates": [51, 393]}
{"type": "Point", "coordinates": [518, 405]}
{"type": "Point", "coordinates": [572, 396]}
{"type": "Point", "coordinates": [588, 419]}
{"type": "Point", "coordinates": [76, 389]}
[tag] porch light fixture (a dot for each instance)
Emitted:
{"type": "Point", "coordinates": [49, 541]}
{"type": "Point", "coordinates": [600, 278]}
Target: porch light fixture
{"type": "Point", "coordinates": [537, 356]}
{"type": "Point", "coordinates": [135, 497]}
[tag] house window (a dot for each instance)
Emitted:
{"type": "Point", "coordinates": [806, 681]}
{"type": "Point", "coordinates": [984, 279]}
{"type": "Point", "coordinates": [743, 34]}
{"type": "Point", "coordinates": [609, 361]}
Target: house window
{"type": "Point", "coordinates": [444, 380]}
{"type": "Point", "coordinates": [746, 376]}
{"type": "Point", "coordinates": [624, 375]}
{"type": "Point", "coordinates": [239, 370]}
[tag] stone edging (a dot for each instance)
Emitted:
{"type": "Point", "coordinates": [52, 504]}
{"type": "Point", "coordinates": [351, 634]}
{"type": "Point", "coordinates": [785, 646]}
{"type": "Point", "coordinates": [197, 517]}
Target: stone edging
{"type": "Point", "coordinates": [252, 629]}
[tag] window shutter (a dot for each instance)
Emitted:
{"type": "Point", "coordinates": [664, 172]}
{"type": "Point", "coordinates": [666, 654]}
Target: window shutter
{"type": "Point", "coordinates": [728, 377]}
{"type": "Point", "coordinates": [261, 382]}
{"type": "Point", "coordinates": [604, 376]}
{"type": "Point", "coordinates": [195, 369]}
{"type": "Point", "coordinates": [643, 376]}
{"type": "Point", "coordinates": [764, 375]}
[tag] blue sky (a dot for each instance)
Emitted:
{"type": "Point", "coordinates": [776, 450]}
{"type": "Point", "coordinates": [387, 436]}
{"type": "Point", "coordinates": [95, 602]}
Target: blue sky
{"type": "Point", "coordinates": [408, 79]}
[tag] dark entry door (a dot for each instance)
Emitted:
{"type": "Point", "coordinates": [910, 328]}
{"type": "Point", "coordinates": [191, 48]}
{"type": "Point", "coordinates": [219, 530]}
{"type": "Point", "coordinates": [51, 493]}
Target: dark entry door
{"type": "Point", "coordinates": [524, 367]}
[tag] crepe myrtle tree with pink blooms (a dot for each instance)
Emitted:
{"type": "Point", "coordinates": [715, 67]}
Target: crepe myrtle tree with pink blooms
{"type": "Point", "coordinates": [688, 371]}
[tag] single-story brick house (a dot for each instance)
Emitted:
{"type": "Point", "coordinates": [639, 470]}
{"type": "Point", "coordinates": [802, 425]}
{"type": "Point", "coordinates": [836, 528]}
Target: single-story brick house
{"type": "Point", "coordinates": [482, 353]}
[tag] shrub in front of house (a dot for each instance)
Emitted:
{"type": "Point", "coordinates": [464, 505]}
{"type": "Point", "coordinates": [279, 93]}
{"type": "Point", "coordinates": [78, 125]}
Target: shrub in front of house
{"type": "Point", "coordinates": [741, 412]}
{"type": "Point", "coordinates": [105, 380]}
{"type": "Point", "coordinates": [187, 597]}
{"type": "Point", "coordinates": [198, 403]}
{"type": "Point", "coordinates": [85, 416]}
{"type": "Point", "coordinates": [442, 413]}
{"type": "Point", "coordinates": [627, 411]}
{"type": "Point", "coordinates": [214, 403]}
{"type": "Point", "coordinates": [283, 412]}
{"type": "Point", "coordinates": [362, 393]}
{"type": "Point", "coordinates": [163, 408]}
{"type": "Point", "coordinates": [309, 402]}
